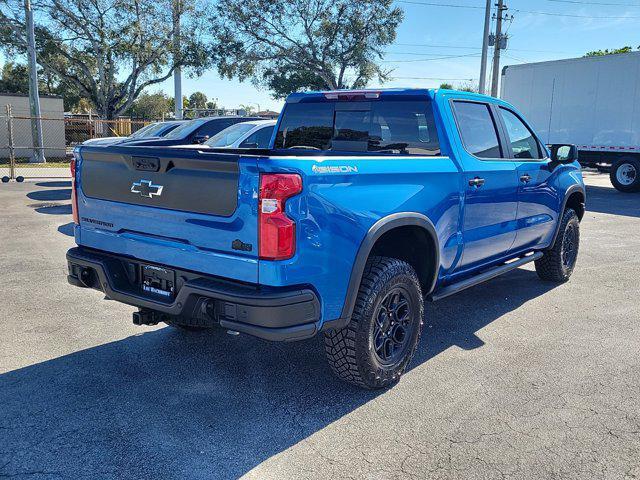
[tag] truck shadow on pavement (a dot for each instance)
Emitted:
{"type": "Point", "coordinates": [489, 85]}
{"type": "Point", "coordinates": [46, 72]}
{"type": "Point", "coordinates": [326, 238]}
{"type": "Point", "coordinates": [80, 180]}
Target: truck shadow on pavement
{"type": "Point", "coordinates": [171, 404]}
{"type": "Point", "coordinates": [609, 200]}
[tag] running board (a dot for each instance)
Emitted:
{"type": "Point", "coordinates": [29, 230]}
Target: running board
{"type": "Point", "coordinates": [483, 277]}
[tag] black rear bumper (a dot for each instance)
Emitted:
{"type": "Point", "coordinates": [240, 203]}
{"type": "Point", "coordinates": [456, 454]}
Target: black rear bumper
{"type": "Point", "coordinates": [269, 313]}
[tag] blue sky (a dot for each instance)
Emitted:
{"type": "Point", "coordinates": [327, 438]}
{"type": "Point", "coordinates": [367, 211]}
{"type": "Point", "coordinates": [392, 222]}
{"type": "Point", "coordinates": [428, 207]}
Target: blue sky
{"type": "Point", "coordinates": [434, 31]}
{"type": "Point", "coordinates": [558, 29]}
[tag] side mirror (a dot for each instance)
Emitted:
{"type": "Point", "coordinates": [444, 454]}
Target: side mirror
{"type": "Point", "coordinates": [563, 153]}
{"type": "Point", "coordinates": [200, 138]}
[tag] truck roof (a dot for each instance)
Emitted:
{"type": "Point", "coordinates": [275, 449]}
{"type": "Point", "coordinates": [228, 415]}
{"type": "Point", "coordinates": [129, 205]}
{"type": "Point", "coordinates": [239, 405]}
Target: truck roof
{"type": "Point", "coordinates": [372, 94]}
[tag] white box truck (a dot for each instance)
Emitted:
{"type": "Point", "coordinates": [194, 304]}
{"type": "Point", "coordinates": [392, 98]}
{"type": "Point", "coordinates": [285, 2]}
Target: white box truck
{"type": "Point", "coordinates": [592, 102]}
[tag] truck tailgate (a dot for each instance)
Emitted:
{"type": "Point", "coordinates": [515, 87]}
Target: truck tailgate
{"type": "Point", "coordinates": [188, 209]}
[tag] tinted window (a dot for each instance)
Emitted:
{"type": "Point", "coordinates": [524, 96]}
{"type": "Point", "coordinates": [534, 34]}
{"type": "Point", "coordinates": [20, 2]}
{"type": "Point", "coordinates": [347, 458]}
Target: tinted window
{"type": "Point", "coordinates": [146, 130]}
{"type": "Point", "coordinates": [259, 139]}
{"type": "Point", "coordinates": [306, 125]}
{"type": "Point", "coordinates": [403, 127]}
{"type": "Point", "coordinates": [523, 143]}
{"type": "Point", "coordinates": [214, 126]}
{"type": "Point", "coordinates": [477, 130]}
{"type": "Point", "coordinates": [186, 128]}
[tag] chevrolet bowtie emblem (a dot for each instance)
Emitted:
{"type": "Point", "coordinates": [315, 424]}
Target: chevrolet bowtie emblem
{"type": "Point", "coordinates": [146, 189]}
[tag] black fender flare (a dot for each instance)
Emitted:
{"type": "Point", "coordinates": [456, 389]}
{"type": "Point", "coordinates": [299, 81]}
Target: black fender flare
{"type": "Point", "coordinates": [571, 190]}
{"type": "Point", "coordinates": [378, 229]}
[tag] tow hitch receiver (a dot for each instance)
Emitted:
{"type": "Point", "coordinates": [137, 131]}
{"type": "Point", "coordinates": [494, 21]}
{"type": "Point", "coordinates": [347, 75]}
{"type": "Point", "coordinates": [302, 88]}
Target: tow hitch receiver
{"type": "Point", "coordinates": [147, 317]}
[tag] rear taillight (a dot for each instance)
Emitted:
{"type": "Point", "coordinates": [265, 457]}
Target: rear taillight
{"type": "Point", "coordinates": [74, 196]}
{"type": "Point", "coordinates": [277, 235]}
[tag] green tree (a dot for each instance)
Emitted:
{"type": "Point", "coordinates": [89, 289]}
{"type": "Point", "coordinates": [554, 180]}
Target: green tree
{"type": "Point", "coordinates": [172, 103]}
{"type": "Point", "coordinates": [288, 45]}
{"type": "Point", "coordinates": [109, 50]}
{"type": "Point", "coordinates": [150, 106]}
{"type": "Point", "coordinates": [197, 100]}
{"type": "Point", "coordinates": [613, 51]}
{"type": "Point", "coordinates": [14, 78]}
{"type": "Point", "coordinates": [250, 109]}
{"type": "Point", "coordinates": [446, 86]}
{"type": "Point", "coordinates": [212, 105]}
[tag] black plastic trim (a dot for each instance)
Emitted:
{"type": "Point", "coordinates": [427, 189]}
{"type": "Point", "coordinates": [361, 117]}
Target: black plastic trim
{"type": "Point", "coordinates": [571, 190]}
{"type": "Point", "coordinates": [270, 313]}
{"type": "Point", "coordinates": [482, 277]}
{"type": "Point", "coordinates": [378, 229]}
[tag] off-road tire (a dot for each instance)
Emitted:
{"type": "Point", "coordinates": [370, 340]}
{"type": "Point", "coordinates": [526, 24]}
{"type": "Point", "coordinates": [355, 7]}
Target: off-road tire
{"type": "Point", "coordinates": [350, 351]}
{"type": "Point", "coordinates": [552, 266]}
{"type": "Point", "coordinates": [631, 165]}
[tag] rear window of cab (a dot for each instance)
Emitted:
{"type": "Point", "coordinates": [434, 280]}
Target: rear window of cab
{"type": "Point", "coordinates": [385, 126]}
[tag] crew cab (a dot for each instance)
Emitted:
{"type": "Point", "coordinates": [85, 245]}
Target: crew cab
{"type": "Point", "coordinates": [367, 204]}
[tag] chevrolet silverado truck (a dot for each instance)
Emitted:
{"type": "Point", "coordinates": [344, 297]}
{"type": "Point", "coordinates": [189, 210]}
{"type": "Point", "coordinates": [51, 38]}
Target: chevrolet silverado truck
{"type": "Point", "coordinates": [367, 204]}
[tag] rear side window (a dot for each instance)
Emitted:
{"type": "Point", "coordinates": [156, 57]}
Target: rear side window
{"type": "Point", "coordinates": [306, 125]}
{"type": "Point", "coordinates": [477, 129]}
{"type": "Point", "coordinates": [523, 143]}
{"type": "Point", "coordinates": [400, 127]}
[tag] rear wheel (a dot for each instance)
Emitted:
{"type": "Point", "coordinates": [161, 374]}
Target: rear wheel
{"type": "Point", "coordinates": [375, 348]}
{"type": "Point", "coordinates": [625, 175]}
{"type": "Point", "coordinates": [558, 262]}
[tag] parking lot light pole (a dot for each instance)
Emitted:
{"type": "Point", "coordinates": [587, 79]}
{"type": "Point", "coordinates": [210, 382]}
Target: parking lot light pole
{"type": "Point", "coordinates": [177, 72]}
{"type": "Point", "coordinates": [34, 97]}
{"type": "Point", "coordinates": [485, 47]}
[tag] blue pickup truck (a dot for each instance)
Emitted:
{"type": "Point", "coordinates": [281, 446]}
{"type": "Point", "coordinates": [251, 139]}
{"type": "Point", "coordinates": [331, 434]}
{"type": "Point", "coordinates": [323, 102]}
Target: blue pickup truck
{"type": "Point", "coordinates": [367, 204]}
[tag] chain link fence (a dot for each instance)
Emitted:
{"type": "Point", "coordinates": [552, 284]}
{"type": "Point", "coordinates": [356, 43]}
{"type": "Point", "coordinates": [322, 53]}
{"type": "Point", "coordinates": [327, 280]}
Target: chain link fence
{"type": "Point", "coordinates": [19, 157]}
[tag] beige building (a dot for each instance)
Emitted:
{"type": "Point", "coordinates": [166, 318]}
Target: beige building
{"type": "Point", "coordinates": [53, 132]}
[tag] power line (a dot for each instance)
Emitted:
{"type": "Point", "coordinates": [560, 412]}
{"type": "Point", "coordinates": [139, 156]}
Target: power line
{"type": "Point", "coordinates": [434, 4]}
{"type": "Point", "coordinates": [573, 15]}
{"type": "Point", "coordinates": [428, 45]}
{"type": "Point", "coordinates": [435, 78]}
{"type": "Point", "coordinates": [607, 4]}
{"type": "Point", "coordinates": [532, 12]}
{"type": "Point", "coordinates": [432, 59]}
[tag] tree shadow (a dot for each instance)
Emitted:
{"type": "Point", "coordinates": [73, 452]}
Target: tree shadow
{"type": "Point", "coordinates": [611, 201]}
{"type": "Point", "coordinates": [50, 195]}
{"type": "Point", "coordinates": [172, 404]}
{"type": "Point", "coordinates": [54, 184]}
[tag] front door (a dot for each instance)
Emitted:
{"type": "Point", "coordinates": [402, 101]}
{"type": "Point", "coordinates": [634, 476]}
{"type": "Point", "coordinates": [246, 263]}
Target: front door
{"type": "Point", "coordinates": [537, 197]}
{"type": "Point", "coordinates": [491, 184]}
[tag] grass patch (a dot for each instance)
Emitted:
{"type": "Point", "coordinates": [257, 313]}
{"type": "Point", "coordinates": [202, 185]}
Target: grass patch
{"type": "Point", "coordinates": [24, 163]}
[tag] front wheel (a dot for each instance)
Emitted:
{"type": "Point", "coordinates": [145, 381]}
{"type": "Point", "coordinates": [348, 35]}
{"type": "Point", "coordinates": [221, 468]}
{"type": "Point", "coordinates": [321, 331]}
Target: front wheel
{"type": "Point", "coordinates": [375, 348]}
{"type": "Point", "coordinates": [625, 175]}
{"type": "Point", "coordinates": [558, 262]}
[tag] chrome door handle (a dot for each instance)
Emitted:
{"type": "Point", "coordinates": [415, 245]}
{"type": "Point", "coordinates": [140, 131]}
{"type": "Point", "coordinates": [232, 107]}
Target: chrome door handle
{"type": "Point", "coordinates": [476, 182]}
{"type": "Point", "coordinates": [526, 178]}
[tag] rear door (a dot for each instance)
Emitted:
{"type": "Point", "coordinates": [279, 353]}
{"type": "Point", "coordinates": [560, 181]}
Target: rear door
{"type": "Point", "coordinates": [182, 208]}
{"type": "Point", "coordinates": [491, 184]}
{"type": "Point", "coordinates": [537, 196]}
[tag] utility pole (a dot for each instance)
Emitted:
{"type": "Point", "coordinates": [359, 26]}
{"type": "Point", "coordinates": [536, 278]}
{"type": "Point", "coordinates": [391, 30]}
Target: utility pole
{"type": "Point", "coordinates": [485, 46]}
{"type": "Point", "coordinates": [177, 72]}
{"type": "Point", "coordinates": [496, 50]}
{"type": "Point", "coordinates": [34, 96]}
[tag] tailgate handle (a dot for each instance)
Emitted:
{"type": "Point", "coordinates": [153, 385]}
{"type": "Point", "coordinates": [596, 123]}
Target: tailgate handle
{"type": "Point", "coordinates": [146, 164]}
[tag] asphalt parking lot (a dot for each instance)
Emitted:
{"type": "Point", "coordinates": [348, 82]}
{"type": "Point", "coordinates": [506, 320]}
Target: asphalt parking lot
{"type": "Point", "coordinates": [514, 379]}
